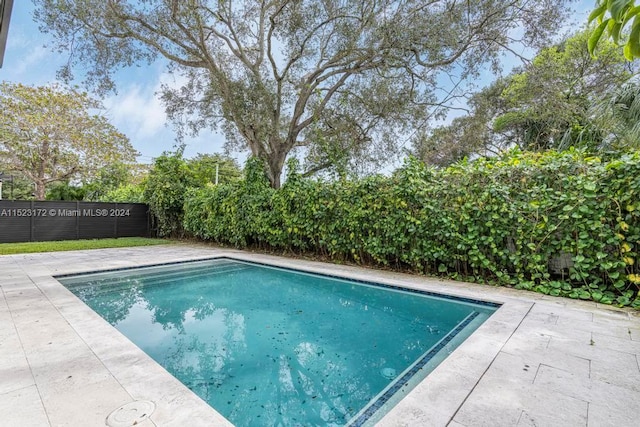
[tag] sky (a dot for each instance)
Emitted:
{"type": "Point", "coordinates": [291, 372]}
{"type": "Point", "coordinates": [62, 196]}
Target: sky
{"type": "Point", "coordinates": [136, 110]}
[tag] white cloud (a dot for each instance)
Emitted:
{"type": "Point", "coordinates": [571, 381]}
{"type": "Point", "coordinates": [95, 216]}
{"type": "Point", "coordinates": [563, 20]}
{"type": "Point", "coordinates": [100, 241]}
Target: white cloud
{"type": "Point", "coordinates": [137, 110]}
{"type": "Point", "coordinates": [33, 58]}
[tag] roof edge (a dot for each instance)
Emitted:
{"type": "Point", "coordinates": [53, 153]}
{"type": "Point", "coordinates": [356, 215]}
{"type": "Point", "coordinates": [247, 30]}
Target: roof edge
{"type": "Point", "coordinates": [5, 16]}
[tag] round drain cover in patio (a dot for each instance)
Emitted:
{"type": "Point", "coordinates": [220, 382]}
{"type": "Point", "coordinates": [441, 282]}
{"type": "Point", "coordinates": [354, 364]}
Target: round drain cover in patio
{"type": "Point", "coordinates": [131, 414]}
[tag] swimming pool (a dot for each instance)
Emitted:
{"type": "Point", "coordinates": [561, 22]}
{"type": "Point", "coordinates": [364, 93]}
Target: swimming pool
{"type": "Point", "coordinates": [271, 346]}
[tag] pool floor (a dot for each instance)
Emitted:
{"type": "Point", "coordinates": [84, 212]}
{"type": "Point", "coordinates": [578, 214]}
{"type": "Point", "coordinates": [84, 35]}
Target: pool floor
{"type": "Point", "coordinates": [272, 346]}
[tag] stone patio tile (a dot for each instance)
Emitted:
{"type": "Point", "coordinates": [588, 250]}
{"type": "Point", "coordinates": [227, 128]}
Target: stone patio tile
{"type": "Point", "coordinates": [15, 372]}
{"type": "Point", "coordinates": [500, 396]}
{"type": "Point", "coordinates": [608, 312]}
{"type": "Point", "coordinates": [602, 415]}
{"type": "Point", "coordinates": [560, 310]}
{"type": "Point", "coordinates": [620, 344]}
{"type": "Point", "coordinates": [563, 382]}
{"type": "Point", "coordinates": [614, 399]}
{"type": "Point", "coordinates": [534, 351]}
{"type": "Point", "coordinates": [565, 412]}
{"type": "Point", "coordinates": [174, 402]}
{"type": "Point", "coordinates": [609, 327]}
{"type": "Point", "coordinates": [539, 317]}
{"type": "Point", "coordinates": [83, 403]}
{"type": "Point", "coordinates": [22, 408]}
{"type": "Point", "coordinates": [592, 350]}
{"type": "Point", "coordinates": [622, 371]}
{"type": "Point", "coordinates": [416, 412]}
{"type": "Point", "coordinates": [496, 402]}
{"type": "Point", "coordinates": [526, 342]}
{"type": "Point", "coordinates": [544, 324]}
{"type": "Point", "coordinates": [492, 403]}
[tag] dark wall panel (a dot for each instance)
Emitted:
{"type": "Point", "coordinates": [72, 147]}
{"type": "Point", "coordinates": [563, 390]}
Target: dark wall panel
{"type": "Point", "coordinates": [22, 221]}
{"type": "Point", "coordinates": [15, 221]}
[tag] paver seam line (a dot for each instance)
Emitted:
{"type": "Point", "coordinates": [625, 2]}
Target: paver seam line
{"type": "Point", "coordinates": [536, 375]}
{"type": "Point", "coordinates": [17, 389]}
{"type": "Point", "coordinates": [458, 423]}
{"type": "Point", "coordinates": [35, 383]}
{"type": "Point", "coordinates": [491, 364]}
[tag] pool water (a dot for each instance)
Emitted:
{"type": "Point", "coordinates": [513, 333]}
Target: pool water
{"type": "Point", "coordinates": [267, 346]}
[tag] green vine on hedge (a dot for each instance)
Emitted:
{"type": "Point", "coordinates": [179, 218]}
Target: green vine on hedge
{"type": "Point", "coordinates": [559, 223]}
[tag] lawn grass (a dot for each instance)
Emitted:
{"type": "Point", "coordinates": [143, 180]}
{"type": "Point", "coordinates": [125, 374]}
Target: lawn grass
{"type": "Point", "coordinates": [72, 245]}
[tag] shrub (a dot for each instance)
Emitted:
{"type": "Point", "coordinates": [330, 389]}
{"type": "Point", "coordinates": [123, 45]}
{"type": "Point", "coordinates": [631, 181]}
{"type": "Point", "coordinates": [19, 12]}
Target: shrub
{"type": "Point", "coordinates": [128, 193]}
{"type": "Point", "coordinates": [562, 224]}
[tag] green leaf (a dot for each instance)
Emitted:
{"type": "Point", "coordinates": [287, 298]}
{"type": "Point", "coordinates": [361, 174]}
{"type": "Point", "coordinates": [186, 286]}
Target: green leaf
{"type": "Point", "coordinates": [627, 52]}
{"type": "Point", "coordinates": [595, 37]}
{"type": "Point", "coordinates": [615, 32]}
{"type": "Point", "coordinates": [630, 14]}
{"type": "Point", "coordinates": [634, 39]}
{"type": "Point", "coordinates": [597, 12]}
{"type": "Point", "coordinates": [617, 8]}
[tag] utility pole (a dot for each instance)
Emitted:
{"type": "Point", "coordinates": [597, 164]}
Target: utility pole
{"type": "Point", "coordinates": [216, 174]}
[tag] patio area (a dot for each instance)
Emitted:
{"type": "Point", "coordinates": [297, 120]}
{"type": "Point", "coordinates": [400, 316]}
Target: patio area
{"type": "Point", "coordinates": [538, 361]}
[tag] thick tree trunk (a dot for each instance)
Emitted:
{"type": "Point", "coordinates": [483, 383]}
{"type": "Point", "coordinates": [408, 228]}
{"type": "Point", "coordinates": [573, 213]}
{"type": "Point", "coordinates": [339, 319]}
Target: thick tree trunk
{"type": "Point", "coordinates": [40, 190]}
{"type": "Point", "coordinates": [40, 181]}
{"type": "Point", "coordinates": [275, 165]}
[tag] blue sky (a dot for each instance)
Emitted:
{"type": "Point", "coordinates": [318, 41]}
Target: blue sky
{"type": "Point", "coordinates": [135, 110]}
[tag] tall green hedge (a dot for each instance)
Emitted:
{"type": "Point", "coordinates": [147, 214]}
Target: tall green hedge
{"type": "Point", "coordinates": [557, 223]}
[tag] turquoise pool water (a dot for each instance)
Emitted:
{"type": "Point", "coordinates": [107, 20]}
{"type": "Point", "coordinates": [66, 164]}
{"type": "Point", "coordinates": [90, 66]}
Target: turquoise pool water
{"type": "Point", "coordinates": [267, 346]}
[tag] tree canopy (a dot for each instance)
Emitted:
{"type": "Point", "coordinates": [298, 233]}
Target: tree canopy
{"type": "Point", "coordinates": [548, 103]}
{"type": "Point", "coordinates": [335, 79]}
{"type": "Point", "coordinates": [48, 134]}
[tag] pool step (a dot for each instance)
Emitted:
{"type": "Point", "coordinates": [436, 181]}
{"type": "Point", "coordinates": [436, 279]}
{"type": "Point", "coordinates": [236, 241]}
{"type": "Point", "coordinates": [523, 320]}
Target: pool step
{"type": "Point", "coordinates": [99, 287]}
{"type": "Point", "coordinates": [148, 272]}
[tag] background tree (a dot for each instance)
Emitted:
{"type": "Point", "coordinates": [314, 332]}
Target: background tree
{"type": "Point", "coordinates": [65, 191]}
{"type": "Point", "coordinates": [107, 179]}
{"type": "Point", "coordinates": [279, 74]}
{"type": "Point", "coordinates": [15, 186]}
{"type": "Point", "coordinates": [170, 179]}
{"type": "Point", "coordinates": [466, 135]}
{"type": "Point", "coordinates": [204, 168]}
{"type": "Point", "coordinates": [619, 114]}
{"type": "Point", "coordinates": [47, 135]}
{"type": "Point", "coordinates": [547, 103]}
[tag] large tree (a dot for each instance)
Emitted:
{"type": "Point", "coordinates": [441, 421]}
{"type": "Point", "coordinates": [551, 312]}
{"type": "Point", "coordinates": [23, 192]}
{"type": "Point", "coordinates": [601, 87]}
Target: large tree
{"type": "Point", "coordinates": [547, 103]}
{"type": "Point", "coordinates": [335, 77]}
{"type": "Point", "coordinates": [49, 134]}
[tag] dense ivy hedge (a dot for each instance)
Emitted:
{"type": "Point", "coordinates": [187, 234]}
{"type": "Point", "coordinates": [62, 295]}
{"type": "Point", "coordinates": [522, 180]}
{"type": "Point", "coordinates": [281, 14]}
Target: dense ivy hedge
{"type": "Point", "coordinates": [557, 223]}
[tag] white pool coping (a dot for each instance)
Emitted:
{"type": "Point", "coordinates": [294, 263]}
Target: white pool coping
{"type": "Point", "coordinates": [536, 361]}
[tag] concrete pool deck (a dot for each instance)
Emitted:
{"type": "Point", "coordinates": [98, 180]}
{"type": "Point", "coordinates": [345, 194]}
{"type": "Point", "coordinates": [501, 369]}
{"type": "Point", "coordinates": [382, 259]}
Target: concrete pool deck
{"type": "Point", "coordinates": [538, 361]}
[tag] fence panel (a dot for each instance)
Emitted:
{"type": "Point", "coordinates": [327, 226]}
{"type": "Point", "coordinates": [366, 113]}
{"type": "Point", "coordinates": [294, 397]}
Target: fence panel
{"type": "Point", "coordinates": [38, 221]}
